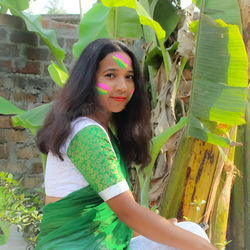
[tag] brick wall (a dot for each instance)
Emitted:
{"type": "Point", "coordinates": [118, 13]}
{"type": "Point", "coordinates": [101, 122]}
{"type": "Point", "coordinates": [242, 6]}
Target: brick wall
{"type": "Point", "coordinates": [24, 80]}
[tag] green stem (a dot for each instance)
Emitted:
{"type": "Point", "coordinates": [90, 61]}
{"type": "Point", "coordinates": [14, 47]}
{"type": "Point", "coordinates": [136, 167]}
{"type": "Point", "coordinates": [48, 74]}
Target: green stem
{"type": "Point", "coordinates": [144, 192]}
{"type": "Point", "coordinates": [166, 63]}
{"type": "Point", "coordinates": [152, 86]}
{"type": "Point", "coordinates": [183, 63]}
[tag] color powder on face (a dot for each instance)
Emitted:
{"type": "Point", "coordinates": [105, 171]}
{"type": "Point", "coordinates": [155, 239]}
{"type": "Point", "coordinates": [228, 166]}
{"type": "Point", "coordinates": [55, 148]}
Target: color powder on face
{"type": "Point", "coordinates": [121, 61]}
{"type": "Point", "coordinates": [132, 92]}
{"type": "Point", "coordinates": [103, 88]}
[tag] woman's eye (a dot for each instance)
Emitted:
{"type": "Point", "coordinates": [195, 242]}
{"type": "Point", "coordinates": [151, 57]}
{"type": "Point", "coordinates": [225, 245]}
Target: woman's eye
{"type": "Point", "coordinates": [130, 77]}
{"type": "Point", "coordinates": [110, 75]}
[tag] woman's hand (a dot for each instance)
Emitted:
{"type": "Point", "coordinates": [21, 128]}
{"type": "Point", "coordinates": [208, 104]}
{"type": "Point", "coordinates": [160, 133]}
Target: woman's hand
{"type": "Point", "coordinates": [173, 220]}
{"type": "Point", "coordinates": [153, 226]}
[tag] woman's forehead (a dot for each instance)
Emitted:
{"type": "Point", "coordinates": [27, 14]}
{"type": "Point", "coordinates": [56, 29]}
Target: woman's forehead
{"type": "Point", "coordinates": [117, 59]}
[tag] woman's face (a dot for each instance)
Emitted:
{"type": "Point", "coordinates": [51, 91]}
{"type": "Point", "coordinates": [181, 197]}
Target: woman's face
{"type": "Point", "coordinates": [115, 81]}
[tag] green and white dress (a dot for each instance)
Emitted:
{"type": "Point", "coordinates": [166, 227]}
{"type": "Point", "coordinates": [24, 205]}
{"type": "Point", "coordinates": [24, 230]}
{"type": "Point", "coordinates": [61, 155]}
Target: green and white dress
{"type": "Point", "coordinates": [92, 172]}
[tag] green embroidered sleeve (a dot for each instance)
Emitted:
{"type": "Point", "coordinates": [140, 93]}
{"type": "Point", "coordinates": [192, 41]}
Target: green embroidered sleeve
{"type": "Point", "coordinates": [91, 152]}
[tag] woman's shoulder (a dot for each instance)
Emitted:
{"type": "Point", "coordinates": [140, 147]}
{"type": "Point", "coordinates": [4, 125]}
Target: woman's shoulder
{"type": "Point", "coordinates": [84, 122]}
{"type": "Point", "coordinates": [86, 126]}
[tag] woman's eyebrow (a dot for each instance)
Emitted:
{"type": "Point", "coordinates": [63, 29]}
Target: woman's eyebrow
{"type": "Point", "coordinates": [110, 69]}
{"type": "Point", "coordinates": [113, 69]}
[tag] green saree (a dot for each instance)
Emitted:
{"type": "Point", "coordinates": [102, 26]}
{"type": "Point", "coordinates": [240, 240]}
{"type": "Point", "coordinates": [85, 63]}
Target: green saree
{"type": "Point", "coordinates": [82, 220]}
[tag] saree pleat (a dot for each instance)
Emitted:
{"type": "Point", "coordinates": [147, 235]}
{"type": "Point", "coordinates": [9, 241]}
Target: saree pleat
{"type": "Point", "coordinates": [82, 221]}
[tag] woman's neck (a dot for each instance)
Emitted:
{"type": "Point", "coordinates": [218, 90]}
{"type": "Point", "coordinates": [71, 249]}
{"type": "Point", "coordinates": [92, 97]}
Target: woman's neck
{"type": "Point", "coordinates": [102, 118]}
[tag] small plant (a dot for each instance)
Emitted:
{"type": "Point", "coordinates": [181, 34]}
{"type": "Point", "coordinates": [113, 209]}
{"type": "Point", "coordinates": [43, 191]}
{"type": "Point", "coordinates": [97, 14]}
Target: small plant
{"type": "Point", "coordinates": [222, 246]}
{"type": "Point", "coordinates": [198, 203]}
{"type": "Point", "coordinates": [20, 207]}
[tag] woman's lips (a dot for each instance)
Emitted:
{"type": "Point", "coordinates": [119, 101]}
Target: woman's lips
{"type": "Point", "coordinates": [119, 98]}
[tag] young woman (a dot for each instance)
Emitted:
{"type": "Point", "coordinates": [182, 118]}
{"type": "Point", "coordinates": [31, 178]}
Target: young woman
{"type": "Point", "coordinates": [98, 125]}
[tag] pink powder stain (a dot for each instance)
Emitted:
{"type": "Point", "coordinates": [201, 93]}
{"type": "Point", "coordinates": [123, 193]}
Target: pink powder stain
{"type": "Point", "coordinates": [122, 58]}
{"type": "Point", "coordinates": [132, 92]}
{"type": "Point", "coordinates": [103, 86]}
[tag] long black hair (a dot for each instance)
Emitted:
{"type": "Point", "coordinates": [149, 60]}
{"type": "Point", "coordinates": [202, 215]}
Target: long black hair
{"type": "Point", "coordinates": [79, 97]}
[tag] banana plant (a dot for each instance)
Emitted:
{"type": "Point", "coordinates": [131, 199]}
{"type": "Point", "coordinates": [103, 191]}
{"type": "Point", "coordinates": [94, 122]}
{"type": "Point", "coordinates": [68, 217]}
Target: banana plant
{"type": "Point", "coordinates": [217, 104]}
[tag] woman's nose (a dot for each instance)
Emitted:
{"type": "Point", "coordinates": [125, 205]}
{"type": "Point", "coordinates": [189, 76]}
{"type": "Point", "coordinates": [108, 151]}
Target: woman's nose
{"type": "Point", "coordinates": [122, 85]}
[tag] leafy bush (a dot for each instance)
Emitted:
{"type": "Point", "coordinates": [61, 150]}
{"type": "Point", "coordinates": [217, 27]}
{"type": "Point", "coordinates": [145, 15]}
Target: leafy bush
{"type": "Point", "coordinates": [20, 207]}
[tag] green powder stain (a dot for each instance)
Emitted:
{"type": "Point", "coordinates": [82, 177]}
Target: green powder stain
{"type": "Point", "coordinates": [101, 91]}
{"type": "Point", "coordinates": [120, 62]}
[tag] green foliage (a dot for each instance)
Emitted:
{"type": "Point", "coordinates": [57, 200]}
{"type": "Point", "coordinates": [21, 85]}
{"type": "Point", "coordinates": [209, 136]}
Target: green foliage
{"type": "Point", "coordinates": [169, 21]}
{"type": "Point", "coordinates": [219, 88]}
{"type": "Point", "coordinates": [7, 107]}
{"type": "Point", "coordinates": [58, 75]}
{"type": "Point", "coordinates": [92, 26]}
{"type": "Point", "coordinates": [16, 4]}
{"type": "Point", "coordinates": [228, 11]}
{"type": "Point", "coordinates": [20, 207]}
{"type": "Point", "coordinates": [124, 22]}
{"type": "Point", "coordinates": [32, 119]}
{"type": "Point", "coordinates": [4, 232]}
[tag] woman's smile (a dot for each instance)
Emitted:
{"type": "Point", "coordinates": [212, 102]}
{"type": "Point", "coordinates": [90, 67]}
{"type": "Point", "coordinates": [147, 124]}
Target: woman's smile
{"type": "Point", "coordinates": [119, 98]}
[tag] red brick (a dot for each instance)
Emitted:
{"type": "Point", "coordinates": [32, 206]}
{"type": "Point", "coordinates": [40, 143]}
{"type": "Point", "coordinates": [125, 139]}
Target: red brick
{"type": "Point", "coordinates": [31, 181]}
{"type": "Point", "coordinates": [3, 34]}
{"type": "Point", "coordinates": [37, 168]}
{"type": "Point", "coordinates": [46, 98]}
{"type": "Point", "coordinates": [69, 58]}
{"type": "Point", "coordinates": [5, 93]}
{"type": "Point", "coordinates": [60, 41]}
{"type": "Point", "coordinates": [60, 25]}
{"type": "Point", "coordinates": [23, 37]}
{"type": "Point", "coordinates": [5, 66]}
{"type": "Point", "coordinates": [37, 54]}
{"type": "Point", "coordinates": [4, 152]}
{"type": "Point", "coordinates": [12, 21]}
{"type": "Point", "coordinates": [16, 135]}
{"type": "Point", "coordinates": [3, 136]}
{"type": "Point", "coordinates": [28, 153]}
{"type": "Point", "coordinates": [8, 50]}
{"type": "Point", "coordinates": [13, 167]}
{"type": "Point", "coordinates": [24, 97]}
{"type": "Point", "coordinates": [46, 23]}
{"type": "Point", "coordinates": [30, 68]}
{"type": "Point", "coordinates": [5, 122]}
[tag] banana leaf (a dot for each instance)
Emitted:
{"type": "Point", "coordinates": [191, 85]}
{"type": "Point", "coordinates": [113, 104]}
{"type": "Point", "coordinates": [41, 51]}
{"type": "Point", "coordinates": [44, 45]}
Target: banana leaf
{"type": "Point", "coordinates": [228, 11]}
{"type": "Point", "coordinates": [32, 119]}
{"type": "Point", "coordinates": [144, 17]}
{"type": "Point", "coordinates": [168, 22]}
{"type": "Point", "coordinates": [123, 22]}
{"type": "Point", "coordinates": [58, 75]}
{"type": "Point", "coordinates": [92, 26]}
{"type": "Point", "coordinates": [20, 4]}
{"type": "Point", "coordinates": [219, 88]}
{"type": "Point", "coordinates": [7, 108]}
